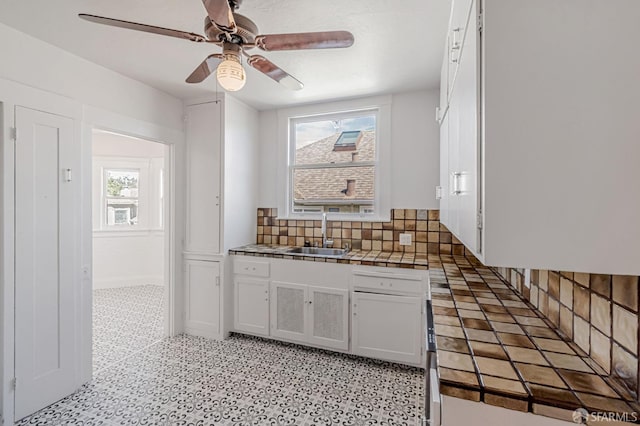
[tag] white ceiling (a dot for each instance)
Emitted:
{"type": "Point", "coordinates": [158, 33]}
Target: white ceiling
{"type": "Point", "coordinates": [398, 44]}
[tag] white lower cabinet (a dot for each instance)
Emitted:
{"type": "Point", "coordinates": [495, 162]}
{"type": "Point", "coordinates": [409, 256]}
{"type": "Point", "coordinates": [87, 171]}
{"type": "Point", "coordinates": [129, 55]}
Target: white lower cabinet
{"type": "Point", "coordinates": [202, 294]}
{"type": "Point", "coordinates": [387, 327]}
{"type": "Point", "coordinates": [251, 305]}
{"type": "Point", "coordinates": [309, 314]}
{"type": "Point", "coordinates": [311, 303]}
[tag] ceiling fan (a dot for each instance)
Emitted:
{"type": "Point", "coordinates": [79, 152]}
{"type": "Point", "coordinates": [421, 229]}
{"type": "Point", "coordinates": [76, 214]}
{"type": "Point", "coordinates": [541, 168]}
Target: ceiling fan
{"type": "Point", "coordinates": [236, 34]}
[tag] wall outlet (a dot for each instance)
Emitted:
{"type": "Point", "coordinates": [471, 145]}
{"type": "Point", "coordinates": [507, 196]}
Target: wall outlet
{"type": "Point", "coordinates": [405, 239]}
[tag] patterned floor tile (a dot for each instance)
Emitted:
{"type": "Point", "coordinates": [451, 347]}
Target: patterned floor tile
{"type": "Point", "coordinates": [125, 320]}
{"type": "Point", "coordinates": [241, 381]}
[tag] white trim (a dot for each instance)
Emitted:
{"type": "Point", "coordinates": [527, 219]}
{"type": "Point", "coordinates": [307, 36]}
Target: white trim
{"type": "Point", "coordinates": [114, 233]}
{"type": "Point", "coordinates": [129, 281]}
{"type": "Point", "coordinates": [98, 119]}
{"type": "Point", "coordinates": [383, 156]}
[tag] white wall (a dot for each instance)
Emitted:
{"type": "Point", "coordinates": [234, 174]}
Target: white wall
{"type": "Point", "coordinates": [128, 259]}
{"type": "Point", "coordinates": [415, 152]}
{"type": "Point", "coordinates": [241, 189]}
{"type": "Point", "coordinates": [37, 64]}
{"type": "Point", "coordinates": [241, 164]}
{"type": "Point", "coordinates": [38, 75]}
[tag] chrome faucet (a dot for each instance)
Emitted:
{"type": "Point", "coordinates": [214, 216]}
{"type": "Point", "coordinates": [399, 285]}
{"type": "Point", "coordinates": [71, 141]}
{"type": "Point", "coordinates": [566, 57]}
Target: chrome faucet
{"type": "Point", "coordinates": [325, 241]}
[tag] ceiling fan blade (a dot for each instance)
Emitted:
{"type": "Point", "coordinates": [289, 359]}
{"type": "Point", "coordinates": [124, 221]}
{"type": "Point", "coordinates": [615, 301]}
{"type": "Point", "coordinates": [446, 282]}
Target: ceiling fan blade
{"type": "Point", "coordinates": [267, 67]}
{"type": "Point", "coordinates": [220, 13]}
{"type": "Point", "coordinates": [205, 69]}
{"type": "Point", "coordinates": [142, 27]}
{"type": "Point", "coordinates": [297, 41]}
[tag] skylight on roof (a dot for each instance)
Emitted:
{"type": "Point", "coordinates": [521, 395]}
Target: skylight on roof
{"type": "Point", "coordinates": [347, 141]}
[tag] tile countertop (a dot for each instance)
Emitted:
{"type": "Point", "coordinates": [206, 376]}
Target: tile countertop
{"type": "Point", "coordinates": [354, 257]}
{"type": "Point", "coordinates": [492, 345]}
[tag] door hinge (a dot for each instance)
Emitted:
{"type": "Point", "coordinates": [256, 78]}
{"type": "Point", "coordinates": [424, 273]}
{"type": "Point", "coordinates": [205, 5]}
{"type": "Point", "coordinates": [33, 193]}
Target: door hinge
{"type": "Point", "coordinates": [480, 21]}
{"type": "Point", "coordinates": [13, 133]}
{"type": "Point", "coordinates": [479, 219]}
{"type": "Point", "coordinates": [218, 281]}
{"type": "Point", "coordinates": [14, 383]}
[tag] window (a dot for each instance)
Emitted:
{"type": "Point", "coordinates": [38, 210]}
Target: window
{"type": "Point", "coordinates": [336, 160]}
{"type": "Point", "coordinates": [333, 162]}
{"type": "Point", "coordinates": [121, 196]}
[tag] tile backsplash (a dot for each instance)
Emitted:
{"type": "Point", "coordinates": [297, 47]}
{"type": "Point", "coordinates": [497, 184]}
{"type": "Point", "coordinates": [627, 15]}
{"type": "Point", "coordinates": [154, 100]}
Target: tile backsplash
{"type": "Point", "coordinates": [598, 312]}
{"type": "Point", "coordinates": [428, 236]}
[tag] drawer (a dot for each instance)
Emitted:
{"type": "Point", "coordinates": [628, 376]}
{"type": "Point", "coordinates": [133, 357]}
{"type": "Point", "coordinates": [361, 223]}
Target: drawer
{"type": "Point", "coordinates": [380, 282]}
{"type": "Point", "coordinates": [251, 267]}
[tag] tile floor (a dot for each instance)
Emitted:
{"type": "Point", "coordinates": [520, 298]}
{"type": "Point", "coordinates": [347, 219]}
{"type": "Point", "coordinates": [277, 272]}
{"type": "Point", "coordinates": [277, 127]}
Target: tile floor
{"type": "Point", "coordinates": [125, 320]}
{"type": "Point", "coordinates": [188, 380]}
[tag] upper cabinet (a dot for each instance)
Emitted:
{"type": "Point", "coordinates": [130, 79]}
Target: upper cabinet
{"type": "Point", "coordinates": [539, 149]}
{"type": "Point", "coordinates": [204, 147]}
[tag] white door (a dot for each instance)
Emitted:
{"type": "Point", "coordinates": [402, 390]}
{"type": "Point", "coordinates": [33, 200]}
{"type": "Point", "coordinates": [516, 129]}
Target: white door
{"type": "Point", "coordinates": [387, 327]}
{"type": "Point", "coordinates": [251, 305]}
{"type": "Point", "coordinates": [329, 317]}
{"type": "Point", "coordinates": [46, 346]}
{"type": "Point", "coordinates": [202, 282]}
{"type": "Point", "coordinates": [288, 311]}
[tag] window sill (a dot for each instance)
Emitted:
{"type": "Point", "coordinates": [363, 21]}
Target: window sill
{"type": "Point", "coordinates": [110, 233]}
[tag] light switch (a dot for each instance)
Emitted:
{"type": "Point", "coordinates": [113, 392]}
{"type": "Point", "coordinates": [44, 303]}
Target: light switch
{"type": "Point", "coordinates": [405, 239]}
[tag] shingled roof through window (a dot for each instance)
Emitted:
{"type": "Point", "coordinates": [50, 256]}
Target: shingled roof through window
{"type": "Point", "coordinates": [330, 184]}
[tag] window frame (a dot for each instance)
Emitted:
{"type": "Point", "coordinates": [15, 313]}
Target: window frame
{"type": "Point", "coordinates": [150, 194]}
{"type": "Point", "coordinates": [106, 198]}
{"type": "Point", "coordinates": [287, 118]}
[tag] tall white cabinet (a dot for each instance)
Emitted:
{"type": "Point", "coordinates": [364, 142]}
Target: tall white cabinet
{"type": "Point", "coordinates": [202, 267]}
{"type": "Point", "coordinates": [221, 168]}
{"type": "Point", "coordinates": [539, 133]}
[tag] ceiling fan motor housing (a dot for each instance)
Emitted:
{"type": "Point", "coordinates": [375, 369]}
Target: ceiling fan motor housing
{"type": "Point", "coordinates": [245, 34]}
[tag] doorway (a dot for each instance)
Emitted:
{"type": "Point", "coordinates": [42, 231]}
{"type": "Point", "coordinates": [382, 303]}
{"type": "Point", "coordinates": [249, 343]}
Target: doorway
{"type": "Point", "coordinates": [130, 257]}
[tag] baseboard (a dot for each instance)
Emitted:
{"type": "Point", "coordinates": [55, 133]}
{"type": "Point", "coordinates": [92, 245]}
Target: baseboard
{"type": "Point", "coordinates": [119, 282]}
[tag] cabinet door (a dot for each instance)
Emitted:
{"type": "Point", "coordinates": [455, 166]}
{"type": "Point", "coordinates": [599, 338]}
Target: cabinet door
{"type": "Point", "coordinates": [387, 327]}
{"type": "Point", "coordinates": [444, 170]}
{"type": "Point", "coordinates": [466, 94]}
{"type": "Point", "coordinates": [329, 317]}
{"type": "Point", "coordinates": [203, 177]}
{"type": "Point", "coordinates": [251, 300]}
{"type": "Point", "coordinates": [444, 83]}
{"type": "Point", "coordinates": [453, 171]}
{"type": "Point", "coordinates": [288, 311]}
{"type": "Point", "coordinates": [458, 26]}
{"type": "Point", "coordinates": [202, 285]}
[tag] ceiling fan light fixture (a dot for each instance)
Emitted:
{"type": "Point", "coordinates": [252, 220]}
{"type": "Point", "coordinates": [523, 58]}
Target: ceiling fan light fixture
{"type": "Point", "coordinates": [230, 73]}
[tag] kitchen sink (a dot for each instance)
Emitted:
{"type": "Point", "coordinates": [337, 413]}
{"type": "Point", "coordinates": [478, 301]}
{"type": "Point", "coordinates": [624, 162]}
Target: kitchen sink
{"type": "Point", "coordinates": [317, 251]}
